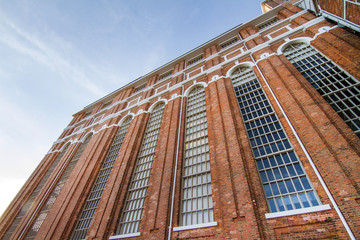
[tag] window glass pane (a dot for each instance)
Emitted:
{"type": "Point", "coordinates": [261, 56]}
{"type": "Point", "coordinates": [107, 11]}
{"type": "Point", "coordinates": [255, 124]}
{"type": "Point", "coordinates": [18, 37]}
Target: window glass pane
{"type": "Point", "coordinates": [132, 213]}
{"type": "Point", "coordinates": [56, 191]}
{"type": "Point", "coordinates": [273, 152]}
{"type": "Point", "coordinates": [338, 88]}
{"type": "Point", "coordinates": [197, 159]}
{"type": "Point", "coordinates": [88, 212]}
{"type": "Point", "coordinates": [31, 199]}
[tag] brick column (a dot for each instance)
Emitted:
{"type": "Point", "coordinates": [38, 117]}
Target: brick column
{"type": "Point", "coordinates": [109, 209]}
{"type": "Point", "coordinates": [25, 192]}
{"type": "Point", "coordinates": [155, 221]}
{"type": "Point", "coordinates": [233, 205]}
{"type": "Point", "coordinates": [71, 197]}
{"type": "Point", "coordinates": [327, 145]}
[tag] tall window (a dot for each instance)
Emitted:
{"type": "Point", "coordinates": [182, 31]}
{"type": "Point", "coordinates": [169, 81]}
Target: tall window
{"type": "Point", "coordinates": [196, 204]}
{"type": "Point", "coordinates": [55, 193]}
{"type": "Point", "coordinates": [284, 179]}
{"type": "Point", "coordinates": [92, 202]}
{"type": "Point", "coordinates": [338, 88]}
{"type": "Point", "coordinates": [135, 197]}
{"type": "Point", "coordinates": [31, 199]}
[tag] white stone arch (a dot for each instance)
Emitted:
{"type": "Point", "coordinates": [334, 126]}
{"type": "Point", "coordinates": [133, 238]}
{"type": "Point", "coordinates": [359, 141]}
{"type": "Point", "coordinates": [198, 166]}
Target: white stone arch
{"type": "Point", "coordinates": [187, 91]}
{"type": "Point", "coordinates": [65, 145]}
{"type": "Point", "coordinates": [242, 64]}
{"type": "Point", "coordinates": [151, 108]}
{"type": "Point", "coordinates": [92, 132]}
{"type": "Point", "coordinates": [283, 46]}
{"type": "Point", "coordinates": [132, 115]}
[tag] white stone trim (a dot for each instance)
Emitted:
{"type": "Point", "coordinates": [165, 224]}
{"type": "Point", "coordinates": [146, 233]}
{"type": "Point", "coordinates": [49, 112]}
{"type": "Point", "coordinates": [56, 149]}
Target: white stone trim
{"type": "Point", "coordinates": [196, 226]}
{"type": "Point", "coordinates": [123, 119]}
{"type": "Point", "coordinates": [155, 103]}
{"type": "Point", "coordinates": [124, 236]}
{"type": "Point", "coordinates": [298, 211]}
{"type": "Point", "coordinates": [219, 66]}
{"type": "Point", "coordinates": [282, 47]}
{"type": "Point", "coordinates": [188, 90]}
{"type": "Point", "coordinates": [237, 64]}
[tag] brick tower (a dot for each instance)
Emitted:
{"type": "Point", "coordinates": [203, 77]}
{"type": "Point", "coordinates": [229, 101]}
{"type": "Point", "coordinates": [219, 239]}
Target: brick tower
{"type": "Point", "coordinates": [252, 135]}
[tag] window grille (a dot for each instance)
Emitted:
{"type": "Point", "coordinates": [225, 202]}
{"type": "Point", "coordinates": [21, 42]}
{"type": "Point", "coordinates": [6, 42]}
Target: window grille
{"type": "Point", "coordinates": [195, 60]}
{"type": "Point", "coordinates": [229, 43]}
{"type": "Point", "coordinates": [35, 193]}
{"type": "Point", "coordinates": [135, 197]}
{"type": "Point", "coordinates": [284, 179]}
{"type": "Point", "coordinates": [55, 193]}
{"type": "Point", "coordinates": [197, 204]}
{"type": "Point", "coordinates": [268, 23]}
{"type": "Point", "coordinates": [165, 75]}
{"type": "Point", "coordinates": [138, 89]}
{"type": "Point", "coordinates": [105, 105]}
{"type": "Point", "coordinates": [337, 87]}
{"type": "Point", "coordinates": [92, 202]}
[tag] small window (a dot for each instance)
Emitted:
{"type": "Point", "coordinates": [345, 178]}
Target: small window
{"type": "Point", "coordinates": [195, 60]}
{"type": "Point", "coordinates": [165, 75]}
{"type": "Point", "coordinates": [87, 114]}
{"type": "Point", "coordinates": [268, 23]}
{"type": "Point", "coordinates": [105, 105]}
{"type": "Point", "coordinates": [138, 89]}
{"type": "Point", "coordinates": [229, 43]}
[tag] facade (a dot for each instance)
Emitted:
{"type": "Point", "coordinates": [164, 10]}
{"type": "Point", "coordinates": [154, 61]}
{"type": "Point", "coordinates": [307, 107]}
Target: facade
{"type": "Point", "coordinates": [252, 135]}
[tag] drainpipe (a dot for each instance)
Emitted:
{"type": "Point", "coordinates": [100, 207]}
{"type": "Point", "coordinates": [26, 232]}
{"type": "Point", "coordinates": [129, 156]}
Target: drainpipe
{"type": "Point", "coordinates": [323, 184]}
{"type": "Point", "coordinates": [176, 163]}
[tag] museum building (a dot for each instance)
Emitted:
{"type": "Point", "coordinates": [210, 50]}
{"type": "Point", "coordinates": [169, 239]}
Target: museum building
{"type": "Point", "coordinates": [252, 135]}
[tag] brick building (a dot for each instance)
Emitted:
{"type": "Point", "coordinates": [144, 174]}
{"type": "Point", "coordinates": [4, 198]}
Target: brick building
{"type": "Point", "coordinates": [252, 135]}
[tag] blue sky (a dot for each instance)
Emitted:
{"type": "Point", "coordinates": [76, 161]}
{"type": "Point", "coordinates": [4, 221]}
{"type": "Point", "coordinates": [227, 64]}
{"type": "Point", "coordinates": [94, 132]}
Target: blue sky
{"type": "Point", "coordinates": [58, 56]}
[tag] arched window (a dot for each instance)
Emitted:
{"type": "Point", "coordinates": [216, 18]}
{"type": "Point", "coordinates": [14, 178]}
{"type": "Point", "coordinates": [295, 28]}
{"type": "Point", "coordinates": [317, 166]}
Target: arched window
{"type": "Point", "coordinates": [135, 197]}
{"type": "Point", "coordinates": [284, 179]}
{"type": "Point", "coordinates": [56, 191]}
{"type": "Point", "coordinates": [83, 223]}
{"type": "Point", "coordinates": [196, 194]}
{"type": "Point", "coordinates": [338, 88]}
{"type": "Point", "coordinates": [35, 193]}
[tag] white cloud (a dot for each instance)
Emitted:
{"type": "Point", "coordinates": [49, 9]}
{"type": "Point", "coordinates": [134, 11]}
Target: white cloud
{"type": "Point", "coordinates": [47, 55]}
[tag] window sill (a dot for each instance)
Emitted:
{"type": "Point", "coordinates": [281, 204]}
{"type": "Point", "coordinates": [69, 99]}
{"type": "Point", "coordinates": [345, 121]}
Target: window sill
{"type": "Point", "coordinates": [189, 227]}
{"type": "Point", "coordinates": [298, 211]}
{"type": "Point", "coordinates": [124, 236]}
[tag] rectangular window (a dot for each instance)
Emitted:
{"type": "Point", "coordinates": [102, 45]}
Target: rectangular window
{"type": "Point", "coordinates": [268, 23]}
{"type": "Point", "coordinates": [229, 43]}
{"type": "Point", "coordinates": [138, 89]}
{"type": "Point", "coordinates": [165, 75]}
{"type": "Point", "coordinates": [195, 60]}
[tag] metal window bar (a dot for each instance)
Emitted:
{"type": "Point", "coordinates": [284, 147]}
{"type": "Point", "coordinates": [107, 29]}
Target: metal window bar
{"type": "Point", "coordinates": [165, 75]}
{"type": "Point", "coordinates": [337, 87]}
{"type": "Point", "coordinates": [196, 202]}
{"type": "Point", "coordinates": [138, 89]}
{"type": "Point", "coordinates": [83, 223]}
{"type": "Point", "coordinates": [55, 193]}
{"type": "Point", "coordinates": [268, 23]}
{"type": "Point", "coordinates": [195, 60]}
{"type": "Point", "coordinates": [35, 193]}
{"type": "Point", "coordinates": [135, 197]}
{"type": "Point", "coordinates": [284, 179]}
{"type": "Point", "coordinates": [229, 43]}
